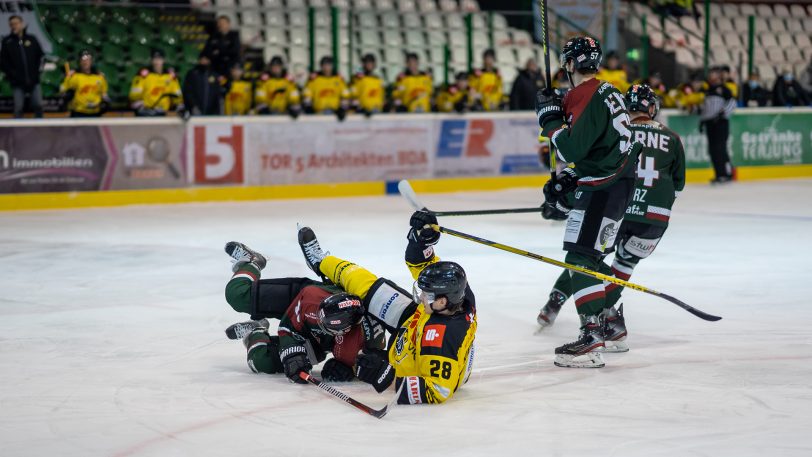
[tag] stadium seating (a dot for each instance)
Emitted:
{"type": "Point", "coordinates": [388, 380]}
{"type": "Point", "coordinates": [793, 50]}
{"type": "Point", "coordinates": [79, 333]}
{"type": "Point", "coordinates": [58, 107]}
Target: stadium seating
{"type": "Point", "coordinates": [782, 36]}
{"type": "Point", "coordinates": [385, 28]}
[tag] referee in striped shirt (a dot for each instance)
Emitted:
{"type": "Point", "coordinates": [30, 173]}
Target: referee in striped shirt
{"type": "Point", "coordinates": [715, 121]}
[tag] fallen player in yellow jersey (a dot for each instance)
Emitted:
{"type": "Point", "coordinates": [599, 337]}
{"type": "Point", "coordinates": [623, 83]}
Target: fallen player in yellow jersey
{"type": "Point", "coordinates": [432, 352]}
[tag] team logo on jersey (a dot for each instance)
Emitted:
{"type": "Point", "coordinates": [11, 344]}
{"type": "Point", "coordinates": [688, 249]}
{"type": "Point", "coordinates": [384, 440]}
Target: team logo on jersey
{"type": "Point", "coordinates": [433, 335]}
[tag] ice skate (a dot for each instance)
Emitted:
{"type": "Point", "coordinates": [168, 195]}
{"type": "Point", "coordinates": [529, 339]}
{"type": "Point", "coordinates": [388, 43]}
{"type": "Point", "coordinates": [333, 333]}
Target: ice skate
{"type": "Point", "coordinates": [550, 311]}
{"type": "Point", "coordinates": [241, 329]}
{"type": "Point", "coordinates": [614, 330]}
{"type": "Point", "coordinates": [311, 249]}
{"type": "Point", "coordinates": [586, 351]}
{"type": "Point", "coordinates": [242, 254]}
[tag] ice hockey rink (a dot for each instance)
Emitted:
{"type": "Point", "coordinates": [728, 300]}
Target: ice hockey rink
{"type": "Point", "coordinates": [112, 343]}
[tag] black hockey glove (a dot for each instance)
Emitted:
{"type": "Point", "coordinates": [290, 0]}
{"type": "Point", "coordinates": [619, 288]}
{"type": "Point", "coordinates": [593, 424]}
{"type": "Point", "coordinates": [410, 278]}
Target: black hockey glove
{"type": "Point", "coordinates": [341, 114]}
{"type": "Point", "coordinates": [564, 182]}
{"type": "Point", "coordinates": [295, 361]}
{"type": "Point", "coordinates": [550, 212]}
{"type": "Point", "coordinates": [549, 106]}
{"type": "Point", "coordinates": [420, 231]}
{"type": "Point", "coordinates": [335, 371]}
{"type": "Point", "coordinates": [373, 368]}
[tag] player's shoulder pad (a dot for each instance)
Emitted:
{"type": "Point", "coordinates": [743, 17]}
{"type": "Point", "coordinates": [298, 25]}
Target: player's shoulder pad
{"type": "Point", "coordinates": [443, 335]}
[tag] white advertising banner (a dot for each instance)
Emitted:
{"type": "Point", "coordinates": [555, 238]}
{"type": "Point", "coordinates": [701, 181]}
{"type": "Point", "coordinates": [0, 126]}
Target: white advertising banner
{"type": "Point", "coordinates": [328, 151]}
{"type": "Point", "coordinates": [274, 151]}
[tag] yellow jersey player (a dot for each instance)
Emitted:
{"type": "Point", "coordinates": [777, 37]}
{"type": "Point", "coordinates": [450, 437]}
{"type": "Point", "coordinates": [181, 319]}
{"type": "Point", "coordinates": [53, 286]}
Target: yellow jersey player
{"type": "Point", "coordinates": [276, 93]}
{"type": "Point", "coordinates": [326, 92]}
{"type": "Point", "coordinates": [367, 88]}
{"type": "Point", "coordinates": [487, 83]}
{"type": "Point", "coordinates": [238, 92]}
{"type": "Point", "coordinates": [458, 97]}
{"type": "Point", "coordinates": [613, 73]}
{"type": "Point", "coordinates": [85, 91]}
{"type": "Point", "coordinates": [154, 91]}
{"type": "Point", "coordinates": [432, 355]}
{"type": "Point", "coordinates": [413, 89]}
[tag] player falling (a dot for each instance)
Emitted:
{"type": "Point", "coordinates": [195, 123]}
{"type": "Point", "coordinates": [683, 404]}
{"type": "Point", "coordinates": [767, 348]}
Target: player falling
{"type": "Point", "coordinates": [433, 337]}
{"type": "Point", "coordinates": [660, 178]}
{"type": "Point", "coordinates": [589, 128]}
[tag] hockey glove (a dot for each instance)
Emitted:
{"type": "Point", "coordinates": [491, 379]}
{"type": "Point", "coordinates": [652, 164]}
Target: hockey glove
{"type": "Point", "coordinates": [335, 371]}
{"type": "Point", "coordinates": [295, 361]}
{"type": "Point", "coordinates": [421, 232]}
{"type": "Point", "coordinates": [551, 212]}
{"type": "Point", "coordinates": [373, 367]}
{"type": "Point", "coordinates": [564, 182]}
{"type": "Point", "coordinates": [549, 106]}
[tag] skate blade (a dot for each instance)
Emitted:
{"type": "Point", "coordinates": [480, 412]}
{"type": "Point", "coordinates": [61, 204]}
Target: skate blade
{"type": "Point", "coordinates": [588, 360]}
{"type": "Point", "coordinates": [544, 323]}
{"type": "Point", "coordinates": [616, 346]}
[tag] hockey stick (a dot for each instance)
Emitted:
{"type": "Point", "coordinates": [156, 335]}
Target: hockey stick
{"type": "Point", "coordinates": [545, 47]}
{"type": "Point", "coordinates": [409, 194]}
{"type": "Point", "coordinates": [378, 413]}
{"type": "Point", "coordinates": [581, 270]}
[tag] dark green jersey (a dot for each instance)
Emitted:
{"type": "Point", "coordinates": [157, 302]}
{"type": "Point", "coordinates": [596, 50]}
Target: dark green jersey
{"type": "Point", "coordinates": [595, 136]}
{"type": "Point", "coordinates": [660, 173]}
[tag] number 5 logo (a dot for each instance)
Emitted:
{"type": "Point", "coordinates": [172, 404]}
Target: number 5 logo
{"type": "Point", "coordinates": [218, 154]}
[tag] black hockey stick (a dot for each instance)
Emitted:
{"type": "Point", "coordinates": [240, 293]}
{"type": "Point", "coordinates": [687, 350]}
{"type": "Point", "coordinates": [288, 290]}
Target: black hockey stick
{"type": "Point", "coordinates": [378, 413]}
{"type": "Point", "coordinates": [409, 194]}
{"type": "Point", "coordinates": [545, 47]}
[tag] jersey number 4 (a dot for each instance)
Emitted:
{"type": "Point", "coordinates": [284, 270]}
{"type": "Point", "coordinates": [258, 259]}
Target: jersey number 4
{"type": "Point", "coordinates": [440, 369]}
{"type": "Point", "coordinates": [647, 173]}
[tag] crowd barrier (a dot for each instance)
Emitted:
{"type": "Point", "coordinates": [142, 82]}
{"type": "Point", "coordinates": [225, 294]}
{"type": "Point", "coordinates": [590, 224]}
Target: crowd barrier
{"type": "Point", "coordinates": [112, 161]}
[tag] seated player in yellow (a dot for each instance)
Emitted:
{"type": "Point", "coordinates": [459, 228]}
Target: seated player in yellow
{"type": "Point", "coordinates": [432, 353]}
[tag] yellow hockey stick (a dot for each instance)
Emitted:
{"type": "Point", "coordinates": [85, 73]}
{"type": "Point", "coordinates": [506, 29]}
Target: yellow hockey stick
{"type": "Point", "coordinates": [581, 270]}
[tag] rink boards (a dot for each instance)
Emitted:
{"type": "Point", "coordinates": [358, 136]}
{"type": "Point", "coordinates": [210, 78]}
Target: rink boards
{"type": "Point", "coordinates": [121, 161]}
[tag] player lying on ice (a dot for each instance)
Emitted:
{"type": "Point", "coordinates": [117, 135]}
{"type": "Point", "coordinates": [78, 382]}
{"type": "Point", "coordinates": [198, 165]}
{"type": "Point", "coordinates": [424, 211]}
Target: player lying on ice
{"type": "Point", "coordinates": [432, 351]}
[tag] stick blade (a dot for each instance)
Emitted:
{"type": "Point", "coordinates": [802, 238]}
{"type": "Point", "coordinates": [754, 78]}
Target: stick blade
{"type": "Point", "coordinates": [405, 189]}
{"type": "Point", "coordinates": [691, 309]}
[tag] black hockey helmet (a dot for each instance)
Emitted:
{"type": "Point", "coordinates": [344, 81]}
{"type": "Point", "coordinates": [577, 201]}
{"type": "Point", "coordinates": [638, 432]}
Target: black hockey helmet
{"type": "Point", "coordinates": [339, 312]}
{"type": "Point", "coordinates": [441, 279]}
{"type": "Point", "coordinates": [277, 60]}
{"type": "Point", "coordinates": [640, 98]}
{"type": "Point", "coordinates": [585, 52]}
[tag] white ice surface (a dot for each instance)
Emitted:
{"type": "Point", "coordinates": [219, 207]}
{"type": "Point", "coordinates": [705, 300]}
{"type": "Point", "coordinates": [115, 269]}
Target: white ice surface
{"type": "Point", "coordinates": [112, 344]}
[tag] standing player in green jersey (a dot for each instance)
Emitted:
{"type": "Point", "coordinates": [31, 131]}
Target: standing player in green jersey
{"type": "Point", "coordinates": [589, 128]}
{"type": "Point", "coordinates": [660, 177]}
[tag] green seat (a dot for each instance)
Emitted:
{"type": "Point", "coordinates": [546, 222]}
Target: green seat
{"type": "Point", "coordinates": [120, 15]}
{"type": "Point", "coordinates": [96, 15]}
{"type": "Point", "coordinates": [61, 34]}
{"type": "Point", "coordinates": [190, 52]}
{"type": "Point", "coordinates": [112, 53]}
{"type": "Point", "coordinates": [142, 34]}
{"type": "Point", "coordinates": [147, 16]}
{"type": "Point", "coordinates": [50, 81]}
{"type": "Point", "coordinates": [89, 35]}
{"type": "Point", "coordinates": [117, 33]}
{"type": "Point", "coordinates": [110, 70]}
{"type": "Point", "coordinates": [5, 88]}
{"type": "Point", "coordinates": [140, 54]}
{"type": "Point", "coordinates": [67, 14]}
{"type": "Point", "coordinates": [170, 36]}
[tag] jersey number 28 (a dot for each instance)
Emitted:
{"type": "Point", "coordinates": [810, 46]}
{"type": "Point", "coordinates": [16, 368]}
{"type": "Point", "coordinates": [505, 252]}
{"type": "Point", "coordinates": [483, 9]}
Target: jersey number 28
{"type": "Point", "coordinates": [442, 369]}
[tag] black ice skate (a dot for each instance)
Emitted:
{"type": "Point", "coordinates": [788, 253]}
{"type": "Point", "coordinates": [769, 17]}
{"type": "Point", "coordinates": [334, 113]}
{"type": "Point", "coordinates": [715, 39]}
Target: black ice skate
{"type": "Point", "coordinates": [614, 330]}
{"type": "Point", "coordinates": [242, 254]}
{"type": "Point", "coordinates": [586, 351]}
{"type": "Point", "coordinates": [550, 311]}
{"type": "Point", "coordinates": [241, 329]}
{"type": "Point", "coordinates": [312, 250]}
